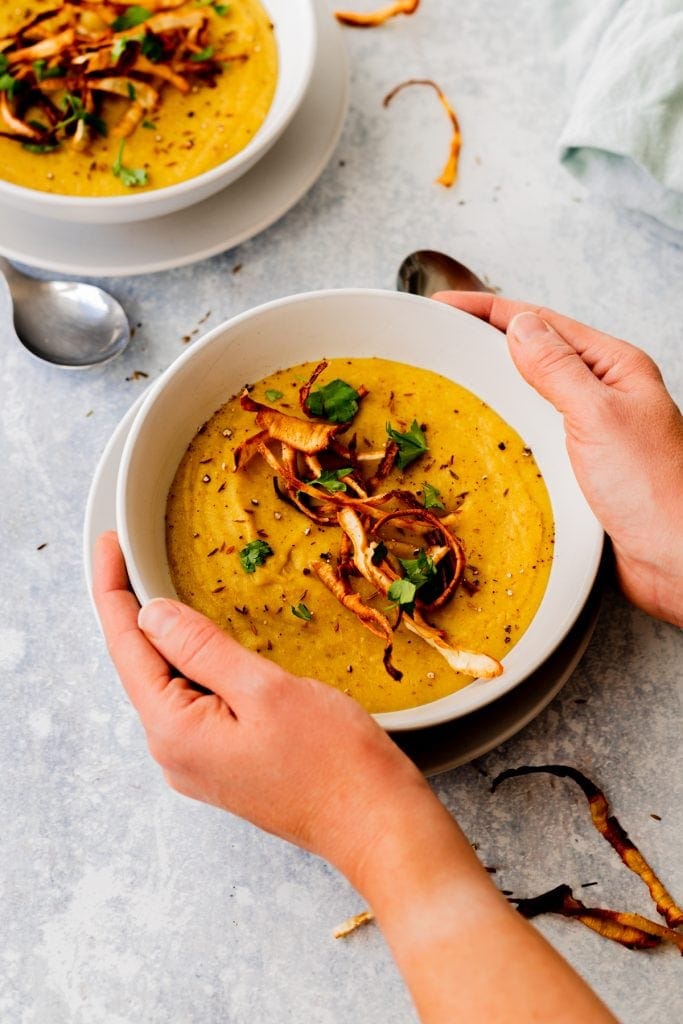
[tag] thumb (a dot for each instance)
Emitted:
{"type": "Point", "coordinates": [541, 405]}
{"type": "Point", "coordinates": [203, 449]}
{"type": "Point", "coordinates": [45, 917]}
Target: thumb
{"type": "Point", "coordinates": [203, 652]}
{"type": "Point", "coordinates": [550, 364]}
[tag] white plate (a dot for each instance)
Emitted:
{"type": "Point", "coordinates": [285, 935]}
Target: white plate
{"type": "Point", "coordinates": [240, 211]}
{"type": "Point", "coordinates": [438, 748]}
{"type": "Point", "coordinates": [434, 749]}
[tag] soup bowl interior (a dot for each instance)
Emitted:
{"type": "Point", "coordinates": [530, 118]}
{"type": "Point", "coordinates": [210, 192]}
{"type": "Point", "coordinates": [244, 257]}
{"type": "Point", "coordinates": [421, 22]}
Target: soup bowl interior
{"type": "Point", "coordinates": [295, 34]}
{"type": "Point", "coordinates": [358, 323]}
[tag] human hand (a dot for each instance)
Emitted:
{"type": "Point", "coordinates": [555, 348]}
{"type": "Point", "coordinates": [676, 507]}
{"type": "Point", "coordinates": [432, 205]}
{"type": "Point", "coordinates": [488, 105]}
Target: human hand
{"type": "Point", "coordinates": [293, 756]}
{"type": "Point", "coordinates": [305, 762]}
{"type": "Point", "coordinates": [624, 438]}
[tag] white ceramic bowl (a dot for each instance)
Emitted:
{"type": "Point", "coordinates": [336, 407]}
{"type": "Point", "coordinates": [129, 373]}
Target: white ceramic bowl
{"type": "Point", "coordinates": [295, 33]}
{"type": "Point", "coordinates": [359, 323]}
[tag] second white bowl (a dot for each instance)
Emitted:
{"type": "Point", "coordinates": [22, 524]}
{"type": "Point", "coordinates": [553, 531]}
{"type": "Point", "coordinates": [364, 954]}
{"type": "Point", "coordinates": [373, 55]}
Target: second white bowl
{"type": "Point", "coordinates": [295, 33]}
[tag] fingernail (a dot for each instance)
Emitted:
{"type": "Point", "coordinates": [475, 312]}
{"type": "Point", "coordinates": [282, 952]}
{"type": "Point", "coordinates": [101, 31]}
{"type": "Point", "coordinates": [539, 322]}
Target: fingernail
{"type": "Point", "coordinates": [158, 617]}
{"type": "Point", "coordinates": [527, 327]}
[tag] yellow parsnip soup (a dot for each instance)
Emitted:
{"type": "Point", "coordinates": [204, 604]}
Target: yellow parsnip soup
{"type": "Point", "coordinates": [184, 135]}
{"type": "Point", "coordinates": [477, 462]}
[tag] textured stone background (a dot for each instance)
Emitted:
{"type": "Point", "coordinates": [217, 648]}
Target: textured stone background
{"type": "Point", "coordinates": [122, 902]}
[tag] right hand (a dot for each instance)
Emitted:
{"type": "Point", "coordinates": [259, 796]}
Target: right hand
{"type": "Point", "coordinates": [293, 756]}
{"type": "Point", "coordinates": [624, 438]}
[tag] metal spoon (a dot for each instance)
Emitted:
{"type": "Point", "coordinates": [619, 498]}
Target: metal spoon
{"type": "Point", "coordinates": [426, 271]}
{"type": "Point", "coordinates": [67, 323]}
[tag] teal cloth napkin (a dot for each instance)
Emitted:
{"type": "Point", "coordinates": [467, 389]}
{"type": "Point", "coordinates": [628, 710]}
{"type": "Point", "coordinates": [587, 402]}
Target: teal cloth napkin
{"type": "Point", "coordinates": [624, 136]}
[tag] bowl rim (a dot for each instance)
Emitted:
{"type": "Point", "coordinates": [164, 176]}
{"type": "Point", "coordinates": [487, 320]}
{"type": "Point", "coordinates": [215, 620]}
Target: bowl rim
{"type": "Point", "coordinates": [435, 712]}
{"type": "Point", "coordinates": [259, 143]}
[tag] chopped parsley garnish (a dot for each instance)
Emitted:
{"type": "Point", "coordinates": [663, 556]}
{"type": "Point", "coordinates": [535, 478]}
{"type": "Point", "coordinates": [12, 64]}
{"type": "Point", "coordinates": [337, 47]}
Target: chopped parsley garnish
{"type": "Point", "coordinates": [40, 147]}
{"type": "Point", "coordinates": [331, 479]}
{"type": "Point", "coordinates": [7, 84]}
{"type": "Point", "coordinates": [151, 47]}
{"type": "Point", "coordinates": [43, 72]}
{"type": "Point", "coordinates": [418, 571]}
{"type": "Point", "coordinates": [432, 496]}
{"type": "Point", "coordinates": [4, 63]}
{"type": "Point", "coordinates": [131, 17]}
{"type": "Point", "coordinates": [118, 48]}
{"type": "Point", "coordinates": [402, 593]}
{"type": "Point", "coordinates": [130, 177]}
{"type": "Point", "coordinates": [302, 612]}
{"type": "Point", "coordinates": [411, 445]}
{"type": "Point", "coordinates": [254, 554]}
{"type": "Point", "coordinates": [337, 402]}
{"type": "Point", "coordinates": [205, 54]}
{"type": "Point", "coordinates": [220, 9]}
{"type": "Point", "coordinates": [72, 106]}
{"type": "Point", "coordinates": [132, 93]}
{"type": "Point", "coordinates": [149, 124]}
{"type": "Point", "coordinates": [274, 396]}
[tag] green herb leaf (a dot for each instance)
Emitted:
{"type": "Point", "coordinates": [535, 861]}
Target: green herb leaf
{"type": "Point", "coordinates": [254, 554]}
{"type": "Point", "coordinates": [205, 54]}
{"type": "Point", "coordinates": [130, 177]}
{"type": "Point", "coordinates": [40, 147]}
{"type": "Point", "coordinates": [302, 612]}
{"type": "Point", "coordinates": [96, 122]}
{"type": "Point", "coordinates": [419, 570]}
{"type": "Point", "coordinates": [432, 496]}
{"type": "Point", "coordinates": [131, 17]}
{"type": "Point", "coordinates": [274, 396]}
{"type": "Point", "coordinates": [118, 48]}
{"type": "Point", "coordinates": [402, 593]}
{"type": "Point", "coordinates": [331, 480]}
{"type": "Point", "coordinates": [7, 83]}
{"type": "Point", "coordinates": [149, 124]}
{"type": "Point", "coordinates": [4, 63]}
{"type": "Point", "coordinates": [132, 93]}
{"type": "Point", "coordinates": [151, 47]}
{"type": "Point", "coordinates": [337, 402]}
{"type": "Point", "coordinates": [72, 106]}
{"type": "Point", "coordinates": [411, 445]}
{"type": "Point", "coordinates": [42, 72]}
{"type": "Point", "coordinates": [220, 9]}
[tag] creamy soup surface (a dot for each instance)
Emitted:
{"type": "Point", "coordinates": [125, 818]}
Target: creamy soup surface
{"type": "Point", "coordinates": [476, 461]}
{"type": "Point", "coordinates": [185, 135]}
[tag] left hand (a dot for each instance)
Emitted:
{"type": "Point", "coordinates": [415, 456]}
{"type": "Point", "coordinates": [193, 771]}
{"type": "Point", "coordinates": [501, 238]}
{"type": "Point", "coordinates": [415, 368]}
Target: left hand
{"type": "Point", "coordinates": [290, 754]}
{"type": "Point", "coordinates": [624, 437]}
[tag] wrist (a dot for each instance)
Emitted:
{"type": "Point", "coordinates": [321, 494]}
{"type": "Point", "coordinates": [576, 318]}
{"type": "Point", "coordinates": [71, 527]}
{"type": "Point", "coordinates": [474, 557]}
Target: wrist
{"type": "Point", "coordinates": [418, 858]}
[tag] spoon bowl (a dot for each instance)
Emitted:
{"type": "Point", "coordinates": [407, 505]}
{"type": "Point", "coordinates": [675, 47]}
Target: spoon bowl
{"type": "Point", "coordinates": [67, 323]}
{"type": "Point", "coordinates": [427, 271]}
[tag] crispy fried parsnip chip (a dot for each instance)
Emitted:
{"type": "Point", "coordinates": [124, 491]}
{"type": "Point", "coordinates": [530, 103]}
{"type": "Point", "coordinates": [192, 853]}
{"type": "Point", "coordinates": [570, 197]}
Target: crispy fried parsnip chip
{"type": "Point", "coordinates": [374, 18]}
{"type": "Point", "coordinates": [450, 170]}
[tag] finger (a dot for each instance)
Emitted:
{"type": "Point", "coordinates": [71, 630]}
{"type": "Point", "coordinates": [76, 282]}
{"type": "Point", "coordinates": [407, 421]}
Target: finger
{"type": "Point", "coordinates": [494, 309]}
{"type": "Point", "coordinates": [611, 359]}
{"type": "Point", "coordinates": [551, 364]}
{"type": "Point", "coordinates": [143, 671]}
{"type": "Point", "coordinates": [500, 312]}
{"type": "Point", "coordinates": [204, 653]}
